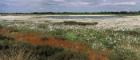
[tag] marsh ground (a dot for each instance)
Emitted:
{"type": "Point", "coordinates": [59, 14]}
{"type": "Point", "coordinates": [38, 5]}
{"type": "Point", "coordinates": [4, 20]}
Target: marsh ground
{"type": "Point", "coordinates": [117, 38]}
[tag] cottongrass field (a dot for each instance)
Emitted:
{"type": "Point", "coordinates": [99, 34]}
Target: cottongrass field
{"type": "Point", "coordinates": [121, 44]}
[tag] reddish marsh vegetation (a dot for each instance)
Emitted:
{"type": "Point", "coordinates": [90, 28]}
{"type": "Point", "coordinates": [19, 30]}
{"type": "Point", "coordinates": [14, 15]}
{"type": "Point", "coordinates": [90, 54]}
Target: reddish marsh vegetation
{"type": "Point", "coordinates": [35, 39]}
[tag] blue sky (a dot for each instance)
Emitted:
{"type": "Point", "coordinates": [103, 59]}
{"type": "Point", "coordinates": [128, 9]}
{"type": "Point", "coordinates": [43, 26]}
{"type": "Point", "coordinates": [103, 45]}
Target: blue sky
{"type": "Point", "coordinates": [68, 5]}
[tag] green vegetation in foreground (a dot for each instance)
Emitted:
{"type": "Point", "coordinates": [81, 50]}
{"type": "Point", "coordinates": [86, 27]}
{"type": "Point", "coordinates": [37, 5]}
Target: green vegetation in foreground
{"type": "Point", "coordinates": [121, 45]}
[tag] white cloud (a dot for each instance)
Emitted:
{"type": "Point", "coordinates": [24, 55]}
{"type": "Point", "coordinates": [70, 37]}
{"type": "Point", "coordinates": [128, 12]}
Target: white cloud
{"type": "Point", "coordinates": [104, 0]}
{"type": "Point", "coordinates": [118, 3]}
{"type": "Point", "coordinates": [59, 0]}
{"type": "Point", "coordinates": [76, 4]}
{"type": "Point", "coordinates": [23, 3]}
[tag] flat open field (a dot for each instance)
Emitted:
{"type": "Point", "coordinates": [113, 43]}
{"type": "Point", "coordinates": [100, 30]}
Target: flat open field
{"type": "Point", "coordinates": [104, 21]}
{"type": "Point", "coordinates": [69, 37]}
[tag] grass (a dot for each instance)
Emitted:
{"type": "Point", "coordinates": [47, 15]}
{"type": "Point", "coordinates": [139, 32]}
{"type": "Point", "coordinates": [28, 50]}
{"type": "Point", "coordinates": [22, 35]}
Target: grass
{"type": "Point", "coordinates": [124, 45]}
{"type": "Point", "coordinates": [120, 45]}
{"type": "Point", "coordinates": [14, 54]}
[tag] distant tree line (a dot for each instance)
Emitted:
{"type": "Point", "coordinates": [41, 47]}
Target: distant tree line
{"type": "Point", "coordinates": [121, 12]}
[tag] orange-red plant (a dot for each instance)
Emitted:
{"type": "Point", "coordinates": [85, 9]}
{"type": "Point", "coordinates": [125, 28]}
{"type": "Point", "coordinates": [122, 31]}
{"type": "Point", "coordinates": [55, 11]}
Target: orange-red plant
{"type": "Point", "coordinates": [35, 39]}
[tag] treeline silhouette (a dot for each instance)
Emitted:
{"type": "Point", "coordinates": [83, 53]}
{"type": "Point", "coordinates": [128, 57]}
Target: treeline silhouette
{"type": "Point", "coordinates": [121, 12]}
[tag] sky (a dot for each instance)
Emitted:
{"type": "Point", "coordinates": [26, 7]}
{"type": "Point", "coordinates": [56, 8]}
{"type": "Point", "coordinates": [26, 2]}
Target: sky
{"type": "Point", "coordinates": [68, 5]}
